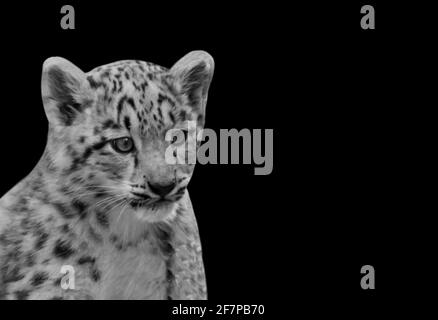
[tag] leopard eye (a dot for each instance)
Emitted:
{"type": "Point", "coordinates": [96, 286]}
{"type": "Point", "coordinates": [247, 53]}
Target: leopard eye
{"type": "Point", "coordinates": [123, 145]}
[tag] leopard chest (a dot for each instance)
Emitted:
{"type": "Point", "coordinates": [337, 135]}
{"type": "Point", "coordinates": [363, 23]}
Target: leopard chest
{"type": "Point", "coordinates": [138, 272]}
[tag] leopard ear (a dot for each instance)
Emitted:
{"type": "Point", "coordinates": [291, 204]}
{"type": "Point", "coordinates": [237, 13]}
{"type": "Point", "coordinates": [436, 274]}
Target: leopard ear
{"type": "Point", "coordinates": [65, 91]}
{"type": "Point", "coordinates": [193, 74]}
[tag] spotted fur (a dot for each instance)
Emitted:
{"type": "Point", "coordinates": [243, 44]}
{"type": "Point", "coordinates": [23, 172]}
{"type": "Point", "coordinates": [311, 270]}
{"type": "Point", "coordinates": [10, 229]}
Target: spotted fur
{"type": "Point", "coordinates": [90, 207]}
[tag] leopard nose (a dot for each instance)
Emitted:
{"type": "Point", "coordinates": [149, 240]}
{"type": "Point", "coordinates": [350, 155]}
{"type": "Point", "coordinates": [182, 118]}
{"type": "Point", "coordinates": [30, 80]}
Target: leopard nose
{"type": "Point", "coordinates": [160, 189]}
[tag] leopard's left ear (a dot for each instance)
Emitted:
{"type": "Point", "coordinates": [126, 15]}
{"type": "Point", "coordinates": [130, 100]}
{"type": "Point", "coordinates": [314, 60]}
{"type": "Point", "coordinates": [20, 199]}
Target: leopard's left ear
{"type": "Point", "coordinates": [65, 91]}
{"type": "Point", "coordinates": [193, 74]}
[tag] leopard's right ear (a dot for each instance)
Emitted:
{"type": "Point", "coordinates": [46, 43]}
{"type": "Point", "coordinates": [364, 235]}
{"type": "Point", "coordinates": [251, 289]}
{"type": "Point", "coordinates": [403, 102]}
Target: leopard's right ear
{"type": "Point", "coordinates": [65, 91]}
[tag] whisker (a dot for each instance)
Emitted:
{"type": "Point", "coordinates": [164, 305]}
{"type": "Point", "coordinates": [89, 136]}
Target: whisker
{"type": "Point", "coordinates": [103, 203]}
{"type": "Point", "coordinates": [122, 211]}
{"type": "Point", "coordinates": [123, 201]}
{"type": "Point", "coordinates": [115, 200]}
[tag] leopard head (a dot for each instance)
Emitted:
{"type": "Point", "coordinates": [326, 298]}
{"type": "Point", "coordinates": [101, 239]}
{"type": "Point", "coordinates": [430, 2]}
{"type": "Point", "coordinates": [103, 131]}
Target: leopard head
{"type": "Point", "coordinates": [108, 130]}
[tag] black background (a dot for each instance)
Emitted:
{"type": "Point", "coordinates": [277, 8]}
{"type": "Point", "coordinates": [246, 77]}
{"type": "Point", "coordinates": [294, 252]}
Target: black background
{"type": "Point", "coordinates": [340, 102]}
